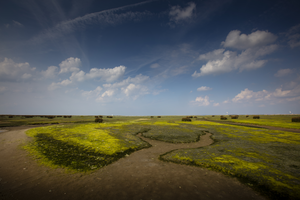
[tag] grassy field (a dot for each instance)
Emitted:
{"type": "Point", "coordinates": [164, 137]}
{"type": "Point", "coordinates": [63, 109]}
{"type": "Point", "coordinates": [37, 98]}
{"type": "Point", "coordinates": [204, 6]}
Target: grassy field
{"type": "Point", "coordinates": [266, 160]}
{"type": "Point", "coordinates": [18, 120]}
{"type": "Point", "coordinates": [268, 120]}
{"type": "Point", "coordinates": [83, 147]}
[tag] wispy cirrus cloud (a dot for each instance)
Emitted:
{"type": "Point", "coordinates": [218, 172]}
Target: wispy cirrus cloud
{"type": "Point", "coordinates": [293, 36]}
{"type": "Point", "coordinates": [178, 14]}
{"type": "Point", "coordinates": [14, 24]}
{"type": "Point", "coordinates": [105, 17]}
{"type": "Point", "coordinates": [283, 72]}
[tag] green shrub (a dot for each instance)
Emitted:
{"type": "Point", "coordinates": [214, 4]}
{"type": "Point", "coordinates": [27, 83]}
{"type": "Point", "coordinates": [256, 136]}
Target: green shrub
{"type": "Point", "coordinates": [296, 119]}
{"type": "Point", "coordinates": [186, 119]}
{"type": "Point", "coordinates": [99, 120]}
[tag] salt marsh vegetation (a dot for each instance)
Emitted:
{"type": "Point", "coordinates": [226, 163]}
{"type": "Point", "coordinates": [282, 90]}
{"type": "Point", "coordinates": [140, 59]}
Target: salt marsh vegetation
{"type": "Point", "coordinates": [267, 160]}
{"type": "Point", "coordinates": [83, 147]}
{"type": "Point", "coordinates": [284, 121]}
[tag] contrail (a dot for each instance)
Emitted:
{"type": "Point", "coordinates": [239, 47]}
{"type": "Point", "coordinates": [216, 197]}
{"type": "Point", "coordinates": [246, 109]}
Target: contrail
{"type": "Point", "coordinates": [70, 25]}
{"type": "Point", "coordinates": [91, 15]}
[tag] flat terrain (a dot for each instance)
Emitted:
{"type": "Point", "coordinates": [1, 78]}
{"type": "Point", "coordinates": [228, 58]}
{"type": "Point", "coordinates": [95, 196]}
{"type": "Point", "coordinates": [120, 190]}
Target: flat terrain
{"type": "Point", "coordinates": [141, 175]}
{"type": "Point", "coordinates": [257, 126]}
{"type": "Point", "coordinates": [149, 158]}
{"type": "Point", "coordinates": [281, 121]}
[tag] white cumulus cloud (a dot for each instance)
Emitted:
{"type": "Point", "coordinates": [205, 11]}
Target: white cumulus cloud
{"type": "Point", "coordinates": [108, 75]}
{"type": "Point", "coordinates": [70, 65]}
{"type": "Point", "coordinates": [90, 93]}
{"type": "Point", "coordinates": [252, 47]}
{"type": "Point", "coordinates": [242, 41]}
{"type": "Point", "coordinates": [202, 101]}
{"type": "Point", "coordinates": [277, 96]}
{"type": "Point", "coordinates": [135, 90]}
{"type": "Point", "coordinates": [50, 72]}
{"type": "Point", "coordinates": [54, 86]}
{"type": "Point", "coordinates": [131, 88]}
{"type": "Point", "coordinates": [11, 71]}
{"type": "Point", "coordinates": [250, 94]}
{"type": "Point", "coordinates": [108, 93]}
{"type": "Point", "coordinates": [216, 54]}
{"type": "Point", "coordinates": [138, 79]}
{"type": "Point", "coordinates": [203, 88]}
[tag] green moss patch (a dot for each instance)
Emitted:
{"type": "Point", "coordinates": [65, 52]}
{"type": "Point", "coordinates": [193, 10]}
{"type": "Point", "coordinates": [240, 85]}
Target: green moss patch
{"type": "Point", "coordinates": [264, 159]}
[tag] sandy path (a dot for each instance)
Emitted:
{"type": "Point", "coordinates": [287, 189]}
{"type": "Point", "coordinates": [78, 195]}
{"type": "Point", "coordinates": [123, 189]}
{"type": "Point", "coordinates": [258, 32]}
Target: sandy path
{"type": "Point", "coordinates": [138, 176]}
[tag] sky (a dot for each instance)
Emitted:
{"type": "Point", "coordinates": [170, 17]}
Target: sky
{"type": "Point", "coordinates": [156, 57]}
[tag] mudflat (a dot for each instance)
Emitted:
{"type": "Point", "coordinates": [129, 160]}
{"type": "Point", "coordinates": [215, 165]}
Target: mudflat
{"type": "Point", "coordinates": [140, 175]}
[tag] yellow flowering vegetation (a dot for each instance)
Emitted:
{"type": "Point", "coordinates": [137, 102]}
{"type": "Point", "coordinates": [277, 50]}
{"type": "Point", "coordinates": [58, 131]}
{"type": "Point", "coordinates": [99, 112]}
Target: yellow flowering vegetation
{"type": "Point", "coordinates": [267, 160]}
{"type": "Point", "coordinates": [83, 147]}
{"type": "Point", "coordinates": [284, 121]}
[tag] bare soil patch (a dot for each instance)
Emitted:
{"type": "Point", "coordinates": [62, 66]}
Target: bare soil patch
{"type": "Point", "coordinates": [141, 175]}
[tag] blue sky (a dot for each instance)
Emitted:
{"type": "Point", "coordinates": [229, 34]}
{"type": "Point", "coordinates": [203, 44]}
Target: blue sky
{"type": "Point", "coordinates": [131, 57]}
